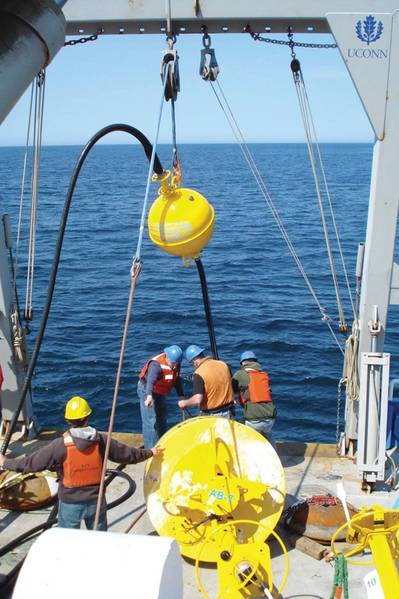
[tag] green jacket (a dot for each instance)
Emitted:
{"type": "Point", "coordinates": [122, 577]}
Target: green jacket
{"type": "Point", "coordinates": [252, 411]}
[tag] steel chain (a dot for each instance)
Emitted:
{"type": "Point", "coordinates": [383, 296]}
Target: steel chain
{"type": "Point", "coordinates": [81, 40]}
{"type": "Point", "coordinates": [269, 40]}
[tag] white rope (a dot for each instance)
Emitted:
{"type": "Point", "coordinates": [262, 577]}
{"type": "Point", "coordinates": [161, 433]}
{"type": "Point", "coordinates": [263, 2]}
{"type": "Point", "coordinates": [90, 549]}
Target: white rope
{"type": "Point", "coordinates": [22, 195]}
{"type": "Point", "coordinates": [262, 186]}
{"type": "Point", "coordinates": [311, 140]}
{"type": "Point", "coordinates": [149, 177]}
{"type": "Point", "coordinates": [331, 209]}
{"type": "Point", "coordinates": [351, 369]}
{"type": "Point", "coordinates": [37, 142]}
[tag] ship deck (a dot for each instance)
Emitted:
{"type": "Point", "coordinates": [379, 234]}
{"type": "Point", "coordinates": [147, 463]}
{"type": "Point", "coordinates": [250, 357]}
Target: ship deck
{"type": "Point", "coordinates": [310, 468]}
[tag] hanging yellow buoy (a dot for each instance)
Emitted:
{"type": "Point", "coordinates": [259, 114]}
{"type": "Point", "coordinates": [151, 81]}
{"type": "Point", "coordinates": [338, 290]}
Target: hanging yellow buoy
{"type": "Point", "coordinates": [180, 221]}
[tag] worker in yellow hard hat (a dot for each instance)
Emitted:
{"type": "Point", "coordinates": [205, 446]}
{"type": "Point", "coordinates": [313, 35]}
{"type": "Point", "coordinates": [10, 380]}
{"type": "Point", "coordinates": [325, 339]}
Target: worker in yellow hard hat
{"type": "Point", "coordinates": [78, 457]}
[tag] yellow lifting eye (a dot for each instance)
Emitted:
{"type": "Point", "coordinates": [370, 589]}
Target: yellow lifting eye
{"type": "Point", "coordinates": [180, 221]}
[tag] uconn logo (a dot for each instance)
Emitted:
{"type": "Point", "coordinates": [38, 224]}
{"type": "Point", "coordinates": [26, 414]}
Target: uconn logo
{"type": "Point", "coordinates": [368, 31]}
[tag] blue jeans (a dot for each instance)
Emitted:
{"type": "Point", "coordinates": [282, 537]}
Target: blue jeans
{"type": "Point", "coordinates": [155, 419]}
{"type": "Point", "coordinates": [264, 427]}
{"type": "Point", "coordinates": [70, 515]}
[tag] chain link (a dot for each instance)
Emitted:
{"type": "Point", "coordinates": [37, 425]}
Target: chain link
{"type": "Point", "coordinates": [81, 40]}
{"type": "Point", "coordinates": [291, 43]}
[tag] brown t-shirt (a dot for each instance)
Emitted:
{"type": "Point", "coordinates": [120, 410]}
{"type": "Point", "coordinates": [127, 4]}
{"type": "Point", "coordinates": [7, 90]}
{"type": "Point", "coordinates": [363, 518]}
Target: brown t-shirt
{"type": "Point", "coordinates": [212, 379]}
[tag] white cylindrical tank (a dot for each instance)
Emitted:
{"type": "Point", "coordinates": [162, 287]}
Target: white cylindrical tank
{"type": "Point", "coordinates": [85, 563]}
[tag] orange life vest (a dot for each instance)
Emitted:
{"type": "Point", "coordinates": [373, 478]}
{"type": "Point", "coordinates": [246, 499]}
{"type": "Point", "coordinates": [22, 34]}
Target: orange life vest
{"type": "Point", "coordinates": [258, 388]}
{"type": "Point", "coordinates": [169, 375]}
{"type": "Point", "coordinates": [81, 467]}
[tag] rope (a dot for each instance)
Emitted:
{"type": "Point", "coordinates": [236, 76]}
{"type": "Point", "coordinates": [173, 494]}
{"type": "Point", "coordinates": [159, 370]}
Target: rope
{"type": "Point", "coordinates": [149, 178]}
{"type": "Point", "coordinates": [134, 273]}
{"type": "Point", "coordinates": [340, 583]}
{"type": "Point", "coordinates": [264, 191]}
{"type": "Point", "coordinates": [37, 144]}
{"type": "Point", "coordinates": [311, 140]}
{"type": "Point", "coordinates": [351, 368]}
{"type": "Point", "coordinates": [21, 198]}
{"type": "Point", "coordinates": [135, 520]}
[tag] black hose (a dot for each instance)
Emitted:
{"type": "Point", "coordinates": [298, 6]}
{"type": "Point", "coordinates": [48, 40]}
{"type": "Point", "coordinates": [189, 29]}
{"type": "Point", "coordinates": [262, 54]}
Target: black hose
{"type": "Point", "coordinates": [53, 275]}
{"type": "Point", "coordinates": [128, 493]}
{"type": "Point", "coordinates": [52, 519]}
{"type": "Point", "coordinates": [207, 306]}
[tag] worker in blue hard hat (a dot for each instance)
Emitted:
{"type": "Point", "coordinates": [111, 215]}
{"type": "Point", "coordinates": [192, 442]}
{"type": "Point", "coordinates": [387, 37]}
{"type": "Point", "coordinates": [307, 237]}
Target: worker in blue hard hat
{"type": "Point", "coordinates": [159, 375]}
{"type": "Point", "coordinates": [212, 386]}
{"type": "Point", "coordinates": [252, 384]}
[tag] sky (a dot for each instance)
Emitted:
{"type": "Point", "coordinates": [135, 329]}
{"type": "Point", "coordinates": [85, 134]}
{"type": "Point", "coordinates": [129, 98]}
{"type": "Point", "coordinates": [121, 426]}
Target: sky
{"type": "Point", "coordinates": [117, 79]}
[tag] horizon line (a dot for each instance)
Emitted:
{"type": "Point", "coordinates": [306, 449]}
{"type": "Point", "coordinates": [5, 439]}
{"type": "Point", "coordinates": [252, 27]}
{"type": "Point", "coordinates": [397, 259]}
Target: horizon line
{"type": "Point", "coordinates": [192, 143]}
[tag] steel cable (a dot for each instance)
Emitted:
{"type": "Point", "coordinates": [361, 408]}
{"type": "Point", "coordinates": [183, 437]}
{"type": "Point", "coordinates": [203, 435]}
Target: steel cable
{"type": "Point", "coordinates": [264, 191]}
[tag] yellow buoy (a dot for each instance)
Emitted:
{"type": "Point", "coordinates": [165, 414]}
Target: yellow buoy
{"type": "Point", "coordinates": [180, 221]}
{"type": "Point", "coordinates": [213, 470]}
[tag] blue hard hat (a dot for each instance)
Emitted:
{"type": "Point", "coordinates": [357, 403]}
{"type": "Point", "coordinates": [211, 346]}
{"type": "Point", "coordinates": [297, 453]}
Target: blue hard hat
{"type": "Point", "coordinates": [192, 352]}
{"type": "Point", "coordinates": [174, 353]}
{"type": "Point", "coordinates": [247, 355]}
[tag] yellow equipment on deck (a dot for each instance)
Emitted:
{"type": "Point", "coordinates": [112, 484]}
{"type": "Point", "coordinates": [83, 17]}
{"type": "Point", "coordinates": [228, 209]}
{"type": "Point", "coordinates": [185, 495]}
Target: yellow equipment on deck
{"type": "Point", "coordinates": [376, 528]}
{"type": "Point", "coordinates": [180, 221]}
{"type": "Point", "coordinates": [219, 490]}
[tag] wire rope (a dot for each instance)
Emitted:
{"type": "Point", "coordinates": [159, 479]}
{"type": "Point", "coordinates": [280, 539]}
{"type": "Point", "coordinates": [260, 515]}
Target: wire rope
{"type": "Point", "coordinates": [23, 182]}
{"type": "Point", "coordinates": [149, 177]}
{"type": "Point", "coordinates": [317, 161]}
{"type": "Point", "coordinates": [264, 191]}
{"type": "Point", "coordinates": [37, 142]}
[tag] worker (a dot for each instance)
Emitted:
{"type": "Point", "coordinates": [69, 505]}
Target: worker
{"type": "Point", "coordinates": [156, 380]}
{"type": "Point", "coordinates": [212, 386]}
{"type": "Point", "coordinates": [78, 457]}
{"type": "Point", "coordinates": [252, 384]}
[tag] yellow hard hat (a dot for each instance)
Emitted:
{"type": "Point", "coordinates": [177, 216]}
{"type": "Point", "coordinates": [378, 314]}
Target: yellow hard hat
{"type": "Point", "coordinates": [77, 408]}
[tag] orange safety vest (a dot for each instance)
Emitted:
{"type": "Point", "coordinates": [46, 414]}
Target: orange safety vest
{"type": "Point", "coordinates": [81, 467]}
{"type": "Point", "coordinates": [169, 375]}
{"type": "Point", "coordinates": [258, 388]}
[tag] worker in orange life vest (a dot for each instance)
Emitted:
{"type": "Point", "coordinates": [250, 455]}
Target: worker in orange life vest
{"type": "Point", "coordinates": [159, 375]}
{"type": "Point", "coordinates": [255, 395]}
{"type": "Point", "coordinates": [77, 457]}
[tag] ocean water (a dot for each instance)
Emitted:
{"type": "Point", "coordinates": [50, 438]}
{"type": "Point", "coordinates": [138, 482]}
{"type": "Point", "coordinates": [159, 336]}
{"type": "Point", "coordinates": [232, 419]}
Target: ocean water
{"type": "Point", "coordinates": [258, 297]}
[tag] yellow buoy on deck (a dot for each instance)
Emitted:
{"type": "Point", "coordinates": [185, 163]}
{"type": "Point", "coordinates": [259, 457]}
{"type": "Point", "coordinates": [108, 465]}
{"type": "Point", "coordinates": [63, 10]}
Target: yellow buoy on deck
{"type": "Point", "coordinates": [213, 471]}
{"type": "Point", "coordinates": [180, 221]}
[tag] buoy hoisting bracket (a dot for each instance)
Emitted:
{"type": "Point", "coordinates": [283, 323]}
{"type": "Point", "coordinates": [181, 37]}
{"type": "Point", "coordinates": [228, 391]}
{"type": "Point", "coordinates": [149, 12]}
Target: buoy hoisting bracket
{"type": "Point", "coordinates": [166, 187]}
{"type": "Point", "coordinates": [170, 69]}
{"type": "Point", "coordinates": [209, 68]}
